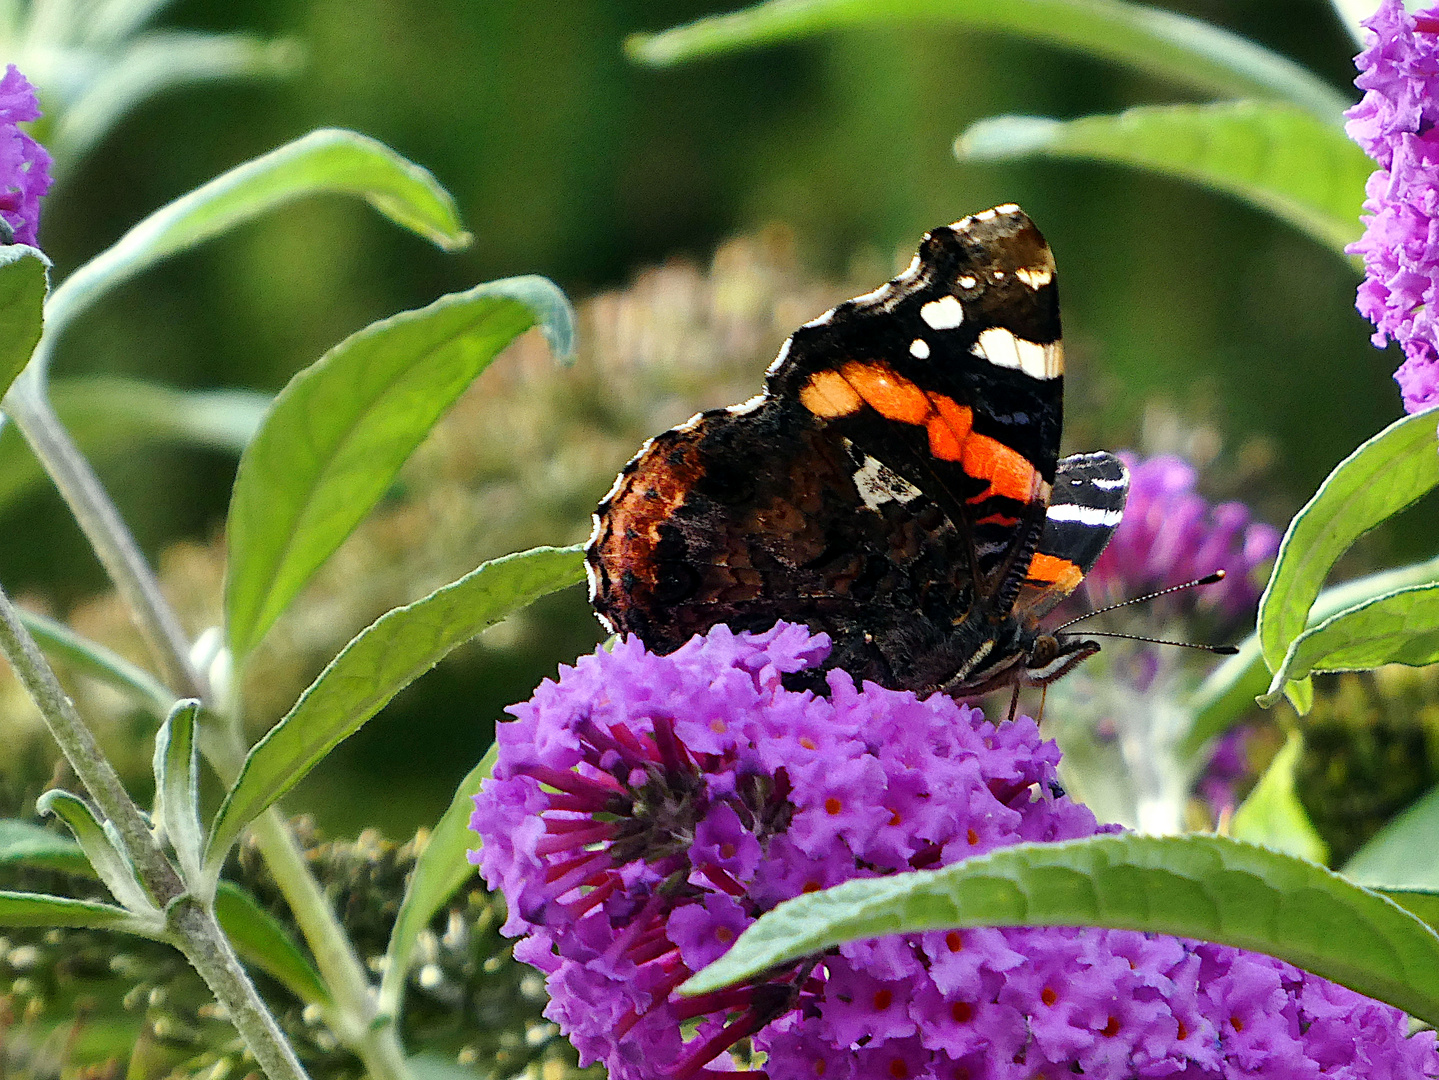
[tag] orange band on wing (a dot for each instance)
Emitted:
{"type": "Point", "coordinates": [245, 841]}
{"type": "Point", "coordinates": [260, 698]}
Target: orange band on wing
{"type": "Point", "coordinates": [1009, 472]}
{"type": "Point", "coordinates": [828, 394]}
{"type": "Point", "coordinates": [1054, 572]}
{"type": "Point", "coordinates": [886, 391]}
{"type": "Point", "coordinates": [948, 427]}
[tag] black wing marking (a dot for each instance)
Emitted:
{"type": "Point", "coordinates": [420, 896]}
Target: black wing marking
{"type": "Point", "coordinates": [973, 321]}
{"type": "Point", "coordinates": [1085, 508]}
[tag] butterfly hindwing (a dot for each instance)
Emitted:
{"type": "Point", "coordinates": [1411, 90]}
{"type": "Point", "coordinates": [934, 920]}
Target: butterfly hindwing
{"type": "Point", "coordinates": [763, 516]}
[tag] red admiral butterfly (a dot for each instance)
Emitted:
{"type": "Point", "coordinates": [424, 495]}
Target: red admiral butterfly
{"type": "Point", "coordinates": [897, 485]}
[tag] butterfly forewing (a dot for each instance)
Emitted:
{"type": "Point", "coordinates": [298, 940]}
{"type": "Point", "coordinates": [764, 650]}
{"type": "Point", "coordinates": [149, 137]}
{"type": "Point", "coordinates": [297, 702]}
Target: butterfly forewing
{"type": "Point", "coordinates": [888, 488]}
{"type": "Point", "coordinates": [951, 375]}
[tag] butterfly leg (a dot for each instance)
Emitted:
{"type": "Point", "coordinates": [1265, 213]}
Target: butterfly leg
{"type": "Point", "coordinates": [1014, 702]}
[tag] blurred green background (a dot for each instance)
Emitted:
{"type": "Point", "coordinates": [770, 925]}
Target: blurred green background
{"type": "Point", "coordinates": [568, 160]}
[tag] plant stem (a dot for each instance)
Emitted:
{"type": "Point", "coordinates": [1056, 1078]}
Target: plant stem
{"type": "Point", "coordinates": [377, 1045]}
{"type": "Point", "coordinates": [193, 927]}
{"type": "Point", "coordinates": [205, 945]}
{"type": "Point", "coordinates": [80, 749]}
{"type": "Point", "coordinates": [355, 1009]}
{"type": "Point", "coordinates": [27, 405]}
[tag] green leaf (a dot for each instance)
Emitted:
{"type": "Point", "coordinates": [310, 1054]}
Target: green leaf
{"type": "Point", "coordinates": [1300, 695]}
{"type": "Point", "coordinates": [112, 22]}
{"type": "Point", "coordinates": [1161, 43]}
{"type": "Point", "coordinates": [325, 161]}
{"type": "Point", "coordinates": [37, 909]}
{"type": "Point", "coordinates": [177, 786]}
{"type": "Point", "coordinates": [24, 278]}
{"type": "Point", "coordinates": [156, 62]}
{"type": "Point", "coordinates": [104, 410]}
{"type": "Point", "coordinates": [263, 941]}
{"type": "Point", "coordinates": [23, 843]}
{"type": "Point", "coordinates": [1196, 886]}
{"type": "Point", "coordinates": [90, 658]}
{"type": "Point", "coordinates": [381, 661]}
{"type": "Point", "coordinates": [438, 874]}
{"type": "Point", "coordinates": [1401, 627]}
{"type": "Point", "coordinates": [1423, 904]}
{"type": "Point", "coordinates": [1405, 853]}
{"type": "Point", "coordinates": [1229, 691]}
{"type": "Point", "coordinates": [105, 856]}
{"type": "Point", "coordinates": [342, 428]}
{"type": "Point", "coordinates": [1272, 155]}
{"type": "Point", "coordinates": [1383, 476]}
{"type": "Point", "coordinates": [1226, 694]}
{"type": "Point", "coordinates": [111, 417]}
{"type": "Point", "coordinates": [1273, 816]}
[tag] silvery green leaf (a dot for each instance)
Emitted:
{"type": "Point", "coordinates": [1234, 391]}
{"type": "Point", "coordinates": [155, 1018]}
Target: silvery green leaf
{"type": "Point", "coordinates": [105, 856]}
{"type": "Point", "coordinates": [177, 786]}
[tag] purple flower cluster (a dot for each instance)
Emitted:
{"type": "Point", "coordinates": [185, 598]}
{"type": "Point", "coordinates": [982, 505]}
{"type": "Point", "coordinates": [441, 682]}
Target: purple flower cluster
{"type": "Point", "coordinates": [1171, 534]}
{"type": "Point", "coordinates": [24, 164]}
{"type": "Point", "coordinates": [1227, 769]}
{"type": "Point", "coordinates": [1394, 123]}
{"type": "Point", "coordinates": [646, 809]}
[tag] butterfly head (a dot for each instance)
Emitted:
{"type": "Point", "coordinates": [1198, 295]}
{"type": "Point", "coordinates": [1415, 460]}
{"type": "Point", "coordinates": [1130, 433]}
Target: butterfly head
{"type": "Point", "coordinates": [1018, 655]}
{"type": "Point", "coordinates": [1052, 656]}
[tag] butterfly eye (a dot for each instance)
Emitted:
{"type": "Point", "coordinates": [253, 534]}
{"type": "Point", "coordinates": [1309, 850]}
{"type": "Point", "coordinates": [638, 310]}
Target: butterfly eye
{"type": "Point", "coordinates": [1043, 652]}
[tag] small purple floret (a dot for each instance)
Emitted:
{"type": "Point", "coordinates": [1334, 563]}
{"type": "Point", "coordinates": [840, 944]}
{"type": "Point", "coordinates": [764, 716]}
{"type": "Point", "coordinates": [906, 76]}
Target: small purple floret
{"type": "Point", "coordinates": [1394, 124]}
{"type": "Point", "coordinates": [24, 163]}
{"type": "Point", "coordinates": [646, 809]}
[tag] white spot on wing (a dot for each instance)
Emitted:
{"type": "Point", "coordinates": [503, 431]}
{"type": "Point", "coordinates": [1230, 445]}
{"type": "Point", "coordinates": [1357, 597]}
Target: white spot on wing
{"type": "Point", "coordinates": [744, 408]}
{"type": "Point", "coordinates": [784, 349]}
{"type": "Point", "coordinates": [1005, 349]}
{"type": "Point", "coordinates": [1054, 359]}
{"type": "Point", "coordinates": [1035, 277]}
{"type": "Point", "coordinates": [821, 320]}
{"type": "Point", "coordinates": [967, 281]}
{"type": "Point", "coordinates": [877, 484]}
{"type": "Point", "coordinates": [614, 491]}
{"type": "Point", "coordinates": [593, 575]}
{"type": "Point", "coordinates": [1110, 485]}
{"type": "Point", "coordinates": [1085, 515]}
{"type": "Point", "coordinates": [919, 349]}
{"type": "Point", "coordinates": [943, 314]}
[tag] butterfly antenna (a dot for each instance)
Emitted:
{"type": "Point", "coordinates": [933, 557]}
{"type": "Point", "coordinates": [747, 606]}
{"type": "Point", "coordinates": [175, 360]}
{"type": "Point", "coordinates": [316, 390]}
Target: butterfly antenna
{"type": "Point", "coordinates": [1222, 650]}
{"type": "Point", "coordinates": [1207, 579]}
